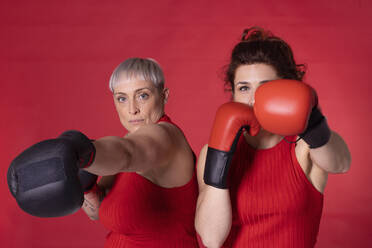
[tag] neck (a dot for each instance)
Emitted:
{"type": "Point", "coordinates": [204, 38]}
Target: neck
{"type": "Point", "coordinates": [263, 140]}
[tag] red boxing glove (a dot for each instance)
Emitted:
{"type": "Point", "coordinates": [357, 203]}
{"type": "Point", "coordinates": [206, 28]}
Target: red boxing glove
{"type": "Point", "coordinates": [289, 107]}
{"type": "Point", "coordinates": [283, 106]}
{"type": "Point", "coordinates": [229, 121]}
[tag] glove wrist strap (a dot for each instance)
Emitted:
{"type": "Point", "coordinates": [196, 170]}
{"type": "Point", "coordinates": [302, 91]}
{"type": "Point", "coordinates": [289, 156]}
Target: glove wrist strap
{"type": "Point", "coordinates": [216, 168]}
{"type": "Point", "coordinates": [318, 135]}
{"type": "Point", "coordinates": [84, 147]}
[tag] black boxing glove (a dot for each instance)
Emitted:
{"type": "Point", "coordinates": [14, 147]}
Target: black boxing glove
{"type": "Point", "coordinates": [87, 180]}
{"type": "Point", "coordinates": [317, 132]}
{"type": "Point", "coordinates": [83, 146]}
{"type": "Point", "coordinates": [44, 179]}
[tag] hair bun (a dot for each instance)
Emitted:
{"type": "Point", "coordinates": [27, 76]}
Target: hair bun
{"type": "Point", "coordinates": [255, 33]}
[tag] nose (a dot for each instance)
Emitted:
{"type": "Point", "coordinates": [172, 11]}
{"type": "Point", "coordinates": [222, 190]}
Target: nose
{"type": "Point", "coordinates": [251, 102]}
{"type": "Point", "coordinates": [133, 108]}
{"type": "Point", "coordinates": [251, 98]}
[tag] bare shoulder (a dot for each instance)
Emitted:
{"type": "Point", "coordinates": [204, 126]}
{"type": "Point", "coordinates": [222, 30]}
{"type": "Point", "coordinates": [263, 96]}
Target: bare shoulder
{"type": "Point", "coordinates": [316, 175]}
{"type": "Point", "coordinates": [156, 130]}
{"type": "Point", "coordinates": [172, 130]}
{"type": "Point", "coordinates": [181, 147]}
{"type": "Point", "coordinates": [163, 131]}
{"type": "Point", "coordinates": [179, 167]}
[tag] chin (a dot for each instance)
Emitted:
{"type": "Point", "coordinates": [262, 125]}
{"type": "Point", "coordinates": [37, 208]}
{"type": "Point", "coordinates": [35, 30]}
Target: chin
{"type": "Point", "coordinates": [135, 128]}
{"type": "Point", "coordinates": [129, 128]}
{"type": "Point", "coordinates": [132, 129]}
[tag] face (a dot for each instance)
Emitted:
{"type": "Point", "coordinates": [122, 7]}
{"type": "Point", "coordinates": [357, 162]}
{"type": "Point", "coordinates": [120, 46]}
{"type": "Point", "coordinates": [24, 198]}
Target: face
{"type": "Point", "coordinates": [138, 102]}
{"type": "Point", "coordinates": [248, 78]}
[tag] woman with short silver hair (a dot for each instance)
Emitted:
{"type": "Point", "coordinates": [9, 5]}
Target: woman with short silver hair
{"type": "Point", "coordinates": [148, 194]}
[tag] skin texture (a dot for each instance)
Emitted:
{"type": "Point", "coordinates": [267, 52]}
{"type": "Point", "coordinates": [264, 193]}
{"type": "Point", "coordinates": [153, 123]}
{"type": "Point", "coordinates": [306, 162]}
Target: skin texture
{"type": "Point", "coordinates": [138, 102]}
{"type": "Point", "coordinates": [156, 151]}
{"type": "Point", "coordinates": [214, 206]}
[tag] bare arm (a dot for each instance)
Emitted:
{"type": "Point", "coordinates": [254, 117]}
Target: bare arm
{"type": "Point", "coordinates": [213, 211]}
{"type": "Point", "coordinates": [333, 157]}
{"type": "Point", "coordinates": [317, 163]}
{"type": "Point", "coordinates": [150, 147]}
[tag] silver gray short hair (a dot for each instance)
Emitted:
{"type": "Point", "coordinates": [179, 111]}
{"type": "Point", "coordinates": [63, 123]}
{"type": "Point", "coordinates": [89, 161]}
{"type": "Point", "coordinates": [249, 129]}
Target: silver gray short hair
{"type": "Point", "coordinates": [145, 69]}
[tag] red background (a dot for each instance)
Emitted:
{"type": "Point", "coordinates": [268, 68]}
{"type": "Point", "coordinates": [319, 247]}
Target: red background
{"type": "Point", "coordinates": [56, 58]}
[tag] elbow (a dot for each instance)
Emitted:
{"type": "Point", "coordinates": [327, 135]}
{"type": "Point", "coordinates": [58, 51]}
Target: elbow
{"type": "Point", "coordinates": [213, 218]}
{"type": "Point", "coordinates": [125, 152]}
{"type": "Point", "coordinates": [346, 165]}
{"type": "Point", "coordinates": [343, 156]}
{"type": "Point", "coordinates": [343, 166]}
{"type": "Point", "coordinates": [125, 162]}
{"type": "Point", "coordinates": [209, 241]}
{"type": "Point", "coordinates": [208, 238]}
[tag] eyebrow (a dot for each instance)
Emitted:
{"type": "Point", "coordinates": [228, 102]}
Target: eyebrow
{"type": "Point", "coordinates": [122, 93]}
{"type": "Point", "coordinates": [261, 82]}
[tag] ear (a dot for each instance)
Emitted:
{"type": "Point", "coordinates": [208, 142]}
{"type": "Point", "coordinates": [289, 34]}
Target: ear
{"type": "Point", "coordinates": [165, 95]}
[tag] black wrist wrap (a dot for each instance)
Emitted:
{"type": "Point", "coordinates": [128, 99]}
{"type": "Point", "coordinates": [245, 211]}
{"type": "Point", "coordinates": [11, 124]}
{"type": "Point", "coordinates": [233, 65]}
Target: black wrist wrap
{"type": "Point", "coordinates": [216, 168]}
{"type": "Point", "coordinates": [317, 133]}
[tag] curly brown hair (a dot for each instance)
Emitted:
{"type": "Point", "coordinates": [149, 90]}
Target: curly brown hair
{"type": "Point", "coordinates": [260, 46]}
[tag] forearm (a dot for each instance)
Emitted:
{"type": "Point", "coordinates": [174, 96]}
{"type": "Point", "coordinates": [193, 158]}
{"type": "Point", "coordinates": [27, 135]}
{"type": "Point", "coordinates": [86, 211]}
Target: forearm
{"type": "Point", "coordinates": [213, 216]}
{"type": "Point", "coordinates": [113, 155]}
{"type": "Point", "coordinates": [333, 157]}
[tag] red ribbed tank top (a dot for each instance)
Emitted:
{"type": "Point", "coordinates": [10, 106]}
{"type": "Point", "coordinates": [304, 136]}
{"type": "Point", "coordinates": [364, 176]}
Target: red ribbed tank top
{"type": "Point", "coordinates": [273, 202]}
{"type": "Point", "coordinates": [140, 213]}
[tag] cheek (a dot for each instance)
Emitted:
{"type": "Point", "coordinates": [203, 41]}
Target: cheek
{"type": "Point", "coordinates": [120, 109]}
{"type": "Point", "coordinates": [241, 97]}
{"type": "Point", "coordinates": [149, 106]}
{"type": "Point", "coordinates": [154, 110]}
{"type": "Point", "coordinates": [124, 118]}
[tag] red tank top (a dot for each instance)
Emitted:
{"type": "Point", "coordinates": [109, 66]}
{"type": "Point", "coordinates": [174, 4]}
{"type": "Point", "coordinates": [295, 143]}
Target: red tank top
{"type": "Point", "coordinates": [273, 202]}
{"type": "Point", "coordinates": [140, 213]}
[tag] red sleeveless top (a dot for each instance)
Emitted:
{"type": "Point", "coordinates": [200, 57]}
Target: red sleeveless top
{"type": "Point", "coordinates": [273, 202]}
{"type": "Point", "coordinates": [140, 213]}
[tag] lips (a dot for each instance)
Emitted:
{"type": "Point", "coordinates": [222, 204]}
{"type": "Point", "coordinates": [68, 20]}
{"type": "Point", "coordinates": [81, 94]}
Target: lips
{"type": "Point", "coordinates": [136, 121]}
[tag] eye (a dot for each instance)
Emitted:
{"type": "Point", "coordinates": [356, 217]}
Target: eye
{"type": "Point", "coordinates": [121, 99]}
{"type": "Point", "coordinates": [243, 88]}
{"type": "Point", "coordinates": [143, 96]}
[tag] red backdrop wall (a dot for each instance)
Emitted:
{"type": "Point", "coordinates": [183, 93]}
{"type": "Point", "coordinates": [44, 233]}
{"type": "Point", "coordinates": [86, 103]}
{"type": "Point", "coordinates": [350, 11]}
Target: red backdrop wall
{"type": "Point", "coordinates": [57, 56]}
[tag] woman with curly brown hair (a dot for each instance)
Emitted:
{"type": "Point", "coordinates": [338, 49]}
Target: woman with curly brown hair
{"type": "Point", "coordinates": [266, 189]}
